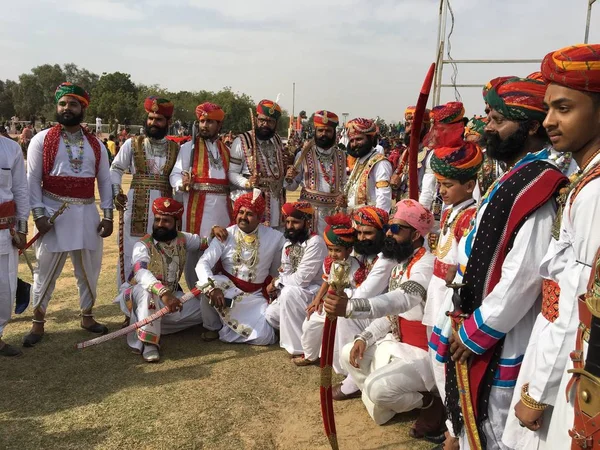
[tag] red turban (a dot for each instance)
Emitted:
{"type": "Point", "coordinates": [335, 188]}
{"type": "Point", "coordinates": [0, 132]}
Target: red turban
{"type": "Point", "coordinates": [339, 230]}
{"type": "Point", "coordinates": [269, 108]}
{"type": "Point", "coordinates": [575, 67]}
{"type": "Point", "coordinates": [451, 112]}
{"type": "Point", "coordinates": [536, 76]}
{"type": "Point", "coordinates": [325, 118]}
{"type": "Point", "coordinates": [167, 207]}
{"type": "Point", "coordinates": [371, 216]}
{"type": "Point", "coordinates": [254, 201]}
{"type": "Point", "coordinates": [361, 126]}
{"type": "Point", "coordinates": [298, 210]}
{"type": "Point", "coordinates": [210, 111]}
{"type": "Point", "coordinates": [517, 98]}
{"type": "Point", "coordinates": [160, 106]}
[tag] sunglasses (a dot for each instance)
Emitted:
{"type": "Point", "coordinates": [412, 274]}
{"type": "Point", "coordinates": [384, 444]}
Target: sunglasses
{"type": "Point", "coordinates": [395, 228]}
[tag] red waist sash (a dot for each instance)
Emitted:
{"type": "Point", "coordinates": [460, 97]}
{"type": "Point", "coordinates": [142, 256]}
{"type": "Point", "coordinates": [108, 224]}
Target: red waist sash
{"type": "Point", "coordinates": [221, 181]}
{"type": "Point", "coordinates": [76, 187]}
{"type": "Point", "coordinates": [413, 332]}
{"type": "Point", "coordinates": [8, 210]}
{"type": "Point", "coordinates": [247, 286]}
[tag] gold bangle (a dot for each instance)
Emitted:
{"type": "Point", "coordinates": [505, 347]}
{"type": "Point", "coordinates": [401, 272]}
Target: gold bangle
{"type": "Point", "coordinates": [529, 402]}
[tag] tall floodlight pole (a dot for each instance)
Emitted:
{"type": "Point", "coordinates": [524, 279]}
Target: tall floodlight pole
{"type": "Point", "coordinates": [589, 18]}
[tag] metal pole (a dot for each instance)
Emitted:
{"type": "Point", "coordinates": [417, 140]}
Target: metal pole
{"type": "Point", "coordinates": [493, 61]}
{"type": "Point", "coordinates": [437, 53]}
{"type": "Point", "coordinates": [293, 99]}
{"type": "Point", "coordinates": [589, 18]}
{"type": "Point", "coordinates": [442, 46]}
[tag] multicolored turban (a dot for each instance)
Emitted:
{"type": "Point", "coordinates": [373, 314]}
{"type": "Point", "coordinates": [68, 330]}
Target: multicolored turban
{"type": "Point", "coordinates": [361, 126]}
{"type": "Point", "coordinates": [210, 111]}
{"type": "Point", "coordinates": [167, 207]}
{"type": "Point", "coordinates": [535, 76]}
{"type": "Point", "coordinates": [339, 230]}
{"type": "Point", "coordinates": [159, 105]}
{"type": "Point", "coordinates": [517, 98]}
{"type": "Point", "coordinates": [476, 126]}
{"type": "Point", "coordinates": [409, 114]}
{"type": "Point", "coordinates": [269, 108]}
{"type": "Point", "coordinates": [415, 214]}
{"type": "Point", "coordinates": [370, 216]}
{"type": "Point", "coordinates": [451, 112]}
{"type": "Point", "coordinates": [254, 201]}
{"type": "Point", "coordinates": [72, 90]}
{"type": "Point", "coordinates": [457, 163]}
{"type": "Point", "coordinates": [322, 119]}
{"type": "Point", "coordinates": [575, 67]}
{"type": "Point", "coordinates": [298, 210]}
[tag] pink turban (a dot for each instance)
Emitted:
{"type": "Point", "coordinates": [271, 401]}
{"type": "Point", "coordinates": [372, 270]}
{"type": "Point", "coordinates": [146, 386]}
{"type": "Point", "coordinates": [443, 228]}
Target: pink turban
{"type": "Point", "coordinates": [413, 213]}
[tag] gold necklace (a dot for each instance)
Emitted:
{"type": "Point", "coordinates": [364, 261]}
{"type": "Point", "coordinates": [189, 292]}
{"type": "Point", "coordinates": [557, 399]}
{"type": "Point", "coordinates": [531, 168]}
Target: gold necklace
{"type": "Point", "coordinates": [246, 243]}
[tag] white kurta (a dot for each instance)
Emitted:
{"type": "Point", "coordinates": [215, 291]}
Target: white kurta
{"type": "Point", "coordinates": [126, 161]}
{"type": "Point", "coordinates": [244, 321]}
{"type": "Point", "coordinates": [299, 284]}
{"type": "Point", "coordinates": [75, 232]}
{"type": "Point", "coordinates": [145, 303]}
{"type": "Point", "coordinates": [427, 184]}
{"type": "Point", "coordinates": [392, 374]}
{"type": "Point", "coordinates": [508, 312]}
{"type": "Point", "coordinates": [312, 328]}
{"type": "Point", "coordinates": [13, 187]}
{"type": "Point", "coordinates": [377, 196]}
{"type": "Point", "coordinates": [239, 173]}
{"type": "Point", "coordinates": [321, 183]}
{"type": "Point", "coordinates": [547, 360]}
{"type": "Point", "coordinates": [216, 206]}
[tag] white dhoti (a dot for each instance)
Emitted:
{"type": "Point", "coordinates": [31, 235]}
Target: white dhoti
{"type": "Point", "coordinates": [9, 263]}
{"type": "Point", "coordinates": [245, 321]}
{"type": "Point", "coordinates": [312, 338]}
{"type": "Point", "coordinates": [140, 301]}
{"type": "Point", "coordinates": [86, 267]}
{"type": "Point", "coordinates": [392, 376]}
{"type": "Point", "coordinates": [288, 313]}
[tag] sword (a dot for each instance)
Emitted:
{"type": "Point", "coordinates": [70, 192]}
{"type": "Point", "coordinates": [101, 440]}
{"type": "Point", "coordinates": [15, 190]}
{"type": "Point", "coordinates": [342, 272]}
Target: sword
{"type": "Point", "coordinates": [134, 326]}
{"type": "Point", "coordinates": [340, 271]}
{"type": "Point", "coordinates": [307, 146]}
{"type": "Point", "coordinates": [17, 239]}
{"type": "Point", "coordinates": [58, 212]}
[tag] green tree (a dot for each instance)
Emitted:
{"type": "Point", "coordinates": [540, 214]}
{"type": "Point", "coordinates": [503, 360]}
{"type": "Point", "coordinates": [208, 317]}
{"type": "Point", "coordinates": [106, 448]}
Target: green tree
{"type": "Point", "coordinates": [7, 106]}
{"type": "Point", "coordinates": [114, 97]}
{"type": "Point", "coordinates": [81, 77]}
{"type": "Point", "coordinates": [28, 97]}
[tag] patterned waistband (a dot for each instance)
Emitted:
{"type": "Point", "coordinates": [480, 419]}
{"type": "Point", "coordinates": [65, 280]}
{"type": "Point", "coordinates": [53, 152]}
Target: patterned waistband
{"type": "Point", "coordinates": [210, 188]}
{"type": "Point", "coordinates": [159, 182]}
{"type": "Point", "coordinates": [318, 197]}
{"type": "Point", "coordinates": [440, 269]}
{"type": "Point", "coordinates": [70, 200]}
{"type": "Point", "coordinates": [7, 222]}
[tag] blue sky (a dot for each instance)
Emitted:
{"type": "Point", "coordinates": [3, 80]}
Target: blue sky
{"type": "Point", "coordinates": [367, 58]}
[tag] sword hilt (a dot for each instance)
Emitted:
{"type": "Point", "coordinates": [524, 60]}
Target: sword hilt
{"type": "Point", "coordinates": [209, 284]}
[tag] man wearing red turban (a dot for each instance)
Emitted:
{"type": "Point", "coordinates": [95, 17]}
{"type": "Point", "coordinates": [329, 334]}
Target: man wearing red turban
{"type": "Point", "coordinates": [154, 282]}
{"type": "Point", "coordinates": [369, 181]}
{"type": "Point", "coordinates": [299, 276]}
{"type": "Point", "coordinates": [320, 169]}
{"type": "Point", "coordinates": [267, 172]}
{"type": "Point", "coordinates": [149, 159]}
{"type": "Point", "coordinates": [234, 310]}
{"type": "Point", "coordinates": [200, 174]}
{"type": "Point", "coordinates": [557, 342]}
{"type": "Point", "coordinates": [63, 164]}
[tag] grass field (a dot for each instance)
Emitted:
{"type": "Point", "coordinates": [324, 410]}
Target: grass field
{"type": "Point", "coordinates": [200, 396]}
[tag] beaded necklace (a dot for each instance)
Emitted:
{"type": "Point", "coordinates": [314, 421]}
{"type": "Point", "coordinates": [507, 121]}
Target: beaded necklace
{"type": "Point", "coordinates": [76, 163]}
{"type": "Point", "coordinates": [244, 244]}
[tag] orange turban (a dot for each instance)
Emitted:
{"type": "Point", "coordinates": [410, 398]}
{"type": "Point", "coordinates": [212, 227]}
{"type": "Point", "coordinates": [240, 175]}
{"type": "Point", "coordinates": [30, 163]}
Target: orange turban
{"type": "Point", "coordinates": [370, 216]}
{"type": "Point", "coordinates": [160, 106]}
{"type": "Point", "coordinates": [298, 210]}
{"type": "Point", "coordinates": [361, 126]}
{"type": "Point", "coordinates": [210, 111]}
{"type": "Point", "coordinates": [325, 118]}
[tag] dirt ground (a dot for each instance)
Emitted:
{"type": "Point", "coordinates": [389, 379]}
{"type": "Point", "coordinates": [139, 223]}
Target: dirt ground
{"type": "Point", "coordinates": [200, 396]}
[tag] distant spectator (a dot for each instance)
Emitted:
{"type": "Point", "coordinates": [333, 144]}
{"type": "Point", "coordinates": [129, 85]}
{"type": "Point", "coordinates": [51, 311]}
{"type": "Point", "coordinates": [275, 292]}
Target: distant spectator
{"type": "Point", "coordinates": [111, 145]}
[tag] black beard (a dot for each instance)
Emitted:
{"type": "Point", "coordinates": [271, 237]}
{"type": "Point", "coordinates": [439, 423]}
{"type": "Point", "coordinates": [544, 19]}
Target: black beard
{"type": "Point", "coordinates": [155, 132]}
{"type": "Point", "coordinates": [162, 234]}
{"type": "Point", "coordinates": [325, 142]}
{"type": "Point", "coordinates": [264, 133]}
{"type": "Point", "coordinates": [395, 250]}
{"type": "Point", "coordinates": [70, 121]}
{"type": "Point", "coordinates": [370, 247]}
{"type": "Point", "coordinates": [296, 236]}
{"type": "Point", "coordinates": [206, 134]}
{"type": "Point", "coordinates": [360, 151]}
{"type": "Point", "coordinates": [505, 150]}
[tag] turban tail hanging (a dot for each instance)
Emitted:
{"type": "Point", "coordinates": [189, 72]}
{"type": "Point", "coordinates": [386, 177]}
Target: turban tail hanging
{"type": "Point", "coordinates": [415, 133]}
